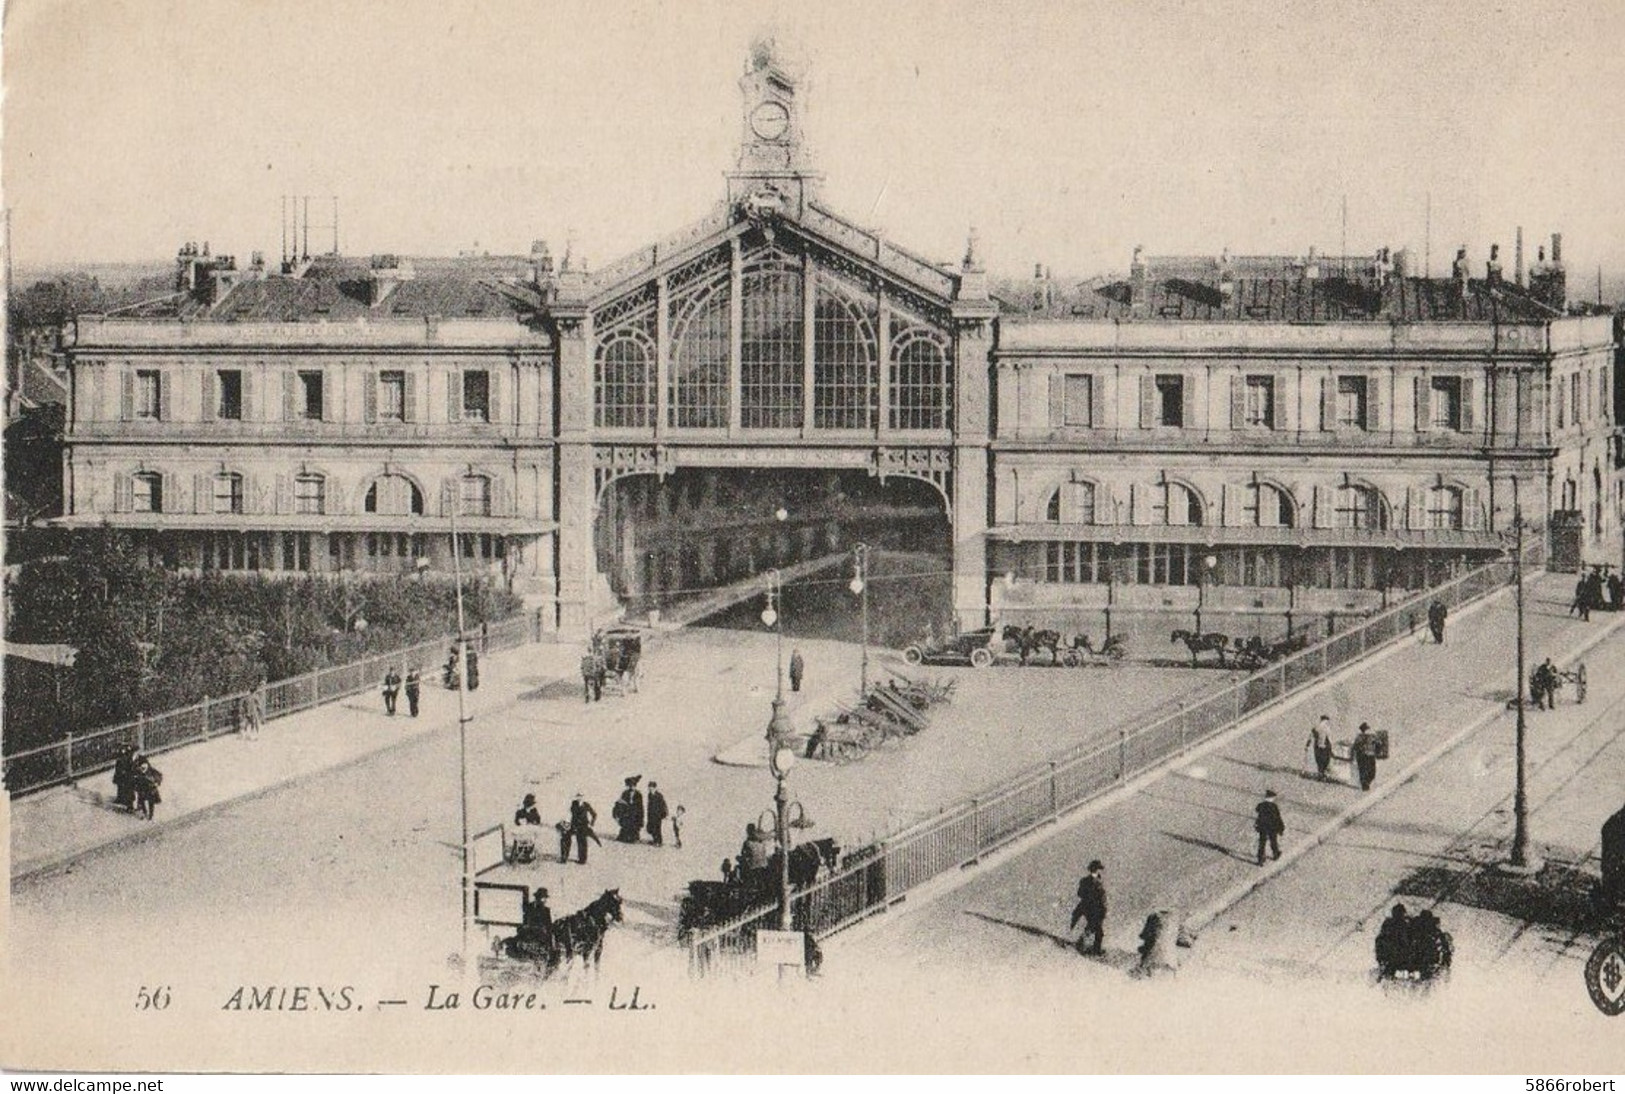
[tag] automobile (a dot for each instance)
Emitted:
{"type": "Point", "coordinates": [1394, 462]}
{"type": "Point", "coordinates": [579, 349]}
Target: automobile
{"type": "Point", "coordinates": [975, 648]}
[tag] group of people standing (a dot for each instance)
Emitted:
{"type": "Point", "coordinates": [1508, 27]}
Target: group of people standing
{"type": "Point", "coordinates": [1365, 750]}
{"type": "Point", "coordinates": [136, 782]}
{"type": "Point", "coordinates": [392, 686]}
{"type": "Point", "coordinates": [1596, 592]}
{"type": "Point", "coordinates": [632, 813]}
{"type": "Point", "coordinates": [1412, 947]}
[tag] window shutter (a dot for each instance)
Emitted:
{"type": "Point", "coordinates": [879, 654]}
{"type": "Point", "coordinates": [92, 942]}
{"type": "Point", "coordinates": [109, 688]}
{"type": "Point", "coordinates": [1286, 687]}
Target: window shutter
{"type": "Point", "coordinates": [284, 495]}
{"type": "Point", "coordinates": [499, 496]}
{"type": "Point", "coordinates": [1238, 402]}
{"type": "Point", "coordinates": [248, 395]}
{"type": "Point", "coordinates": [210, 386]}
{"type": "Point", "coordinates": [1148, 401]}
{"type": "Point", "coordinates": [251, 495]}
{"type": "Point", "coordinates": [290, 384]}
{"type": "Point", "coordinates": [126, 403]}
{"type": "Point", "coordinates": [332, 495]}
{"type": "Point", "coordinates": [1467, 416]}
{"type": "Point", "coordinates": [1319, 501]}
{"type": "Point", "coordinates": [409, 408]}
{"type": "Point", "coordinates": [166, 407]}
{"type": "Point", "coordinates": [330, 406]}
{"type": "Point", "coordinates": [1373, 402]}
{"type": "Point", "coordinates": [202, 497]}
{"type": "Point", "coordinates": [448, 496]}
{"type": "Point", "coordinates": [495, 396]}
{"type": "Point", "coordinates": [1187, 402]}
{"type": "Point", "coordinates": [1278, 397]}
{"type": "Point", "coordinates": [1424, 416]}
{"type": "Point", "coordinates": [1472, 516]}
{"type": "Point", "coordinates": [1097, 411]}
{"type": "Point", "coordinates": [1328, 408]}
{"type": "Point", "coordinates": [1057, 400]}
{"type": "Point", "coordinates": [1417, 508]}
{"type": "Point", "coordinates": [369, 397]}
{"type": "Point", "coordinates": [454, 395]}
{"type": "Point", "coordinates": [123, 493]}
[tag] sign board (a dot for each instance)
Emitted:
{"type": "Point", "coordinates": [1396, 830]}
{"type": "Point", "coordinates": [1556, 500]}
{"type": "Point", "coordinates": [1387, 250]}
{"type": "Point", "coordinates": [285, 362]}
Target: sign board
{"type": "Point", "coordinates": [487, 850]}
{"type": "Point", "coordinates": [780, 947]}
{"type": "Point", "coordinates": [499, 905]}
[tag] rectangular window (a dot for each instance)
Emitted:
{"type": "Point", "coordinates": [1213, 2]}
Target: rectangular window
{"type": "Point", "coordinates": [392, 396]}
{"type": "Point", "coordinates": [1446, 402]}
{"type": "Point", "coordinates": [1259, 411]}
{"type": "Point", "coordinates": [1170, 406]}
{"type": "Point", "coordinates": [1078, 405]}
{"type": "Point", "coordinates": [310, 385]}
{"type": "Point", "coordinates": [476, 496]}
{"type": "Point", "coordinates": [476, 396]}
{"type": "Point", "coordinates": [309, 494]}
{"type": "Point", "coordinates": [230, 405]}
{"type": "Point", "coordinates": [1562, 404]}
{"type": "Point", "coordinates": [228, 493]}
{"type": "Point", "coordinates": [1574, 400]}
{"type": "Point", "coordinates": [1074, 562]}
{"type": "Point", "coordinates": [148, 394]}
{"type": "Point", "coordinates": [1351, 402]}
{"type": "Point", "coordinates": [148, 494]}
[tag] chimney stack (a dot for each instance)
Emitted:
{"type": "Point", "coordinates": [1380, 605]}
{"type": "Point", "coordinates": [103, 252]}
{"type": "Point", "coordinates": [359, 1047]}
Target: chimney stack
{"type": "Point", "coordinates": [1557, 248]}
{"type": "Point", "coordinates": [1517, 258]}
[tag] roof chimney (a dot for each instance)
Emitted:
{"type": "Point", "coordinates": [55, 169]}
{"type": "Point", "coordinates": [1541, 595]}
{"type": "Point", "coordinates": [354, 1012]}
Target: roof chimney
{"type": "Point", "coordinates": [1517, 258]}
{"type": "Point", "coordinates": [1557, 248]}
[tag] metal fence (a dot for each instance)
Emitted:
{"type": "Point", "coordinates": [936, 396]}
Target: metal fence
{"type": "Point", "coordinates": [78, 755]}
{"type": "Point", "coordinates": [963, 833]}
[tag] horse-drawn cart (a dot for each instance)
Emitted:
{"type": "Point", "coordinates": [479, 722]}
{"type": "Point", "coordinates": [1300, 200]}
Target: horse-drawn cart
{"type": "Point", "coordinates": [622, 651]}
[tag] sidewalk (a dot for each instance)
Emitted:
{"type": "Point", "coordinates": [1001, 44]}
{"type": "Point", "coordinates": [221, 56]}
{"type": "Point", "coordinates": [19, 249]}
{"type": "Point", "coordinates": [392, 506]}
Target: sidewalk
{"type": "Point", "coordinates": [1182, 838]}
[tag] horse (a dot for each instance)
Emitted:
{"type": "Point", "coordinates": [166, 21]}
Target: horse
{"type": "Point", "coordinates": [579, 934]}
{"type": "Point", "coordinates": [1201, 643]}
{"type": "Point", "coordinates": [1029, 641]}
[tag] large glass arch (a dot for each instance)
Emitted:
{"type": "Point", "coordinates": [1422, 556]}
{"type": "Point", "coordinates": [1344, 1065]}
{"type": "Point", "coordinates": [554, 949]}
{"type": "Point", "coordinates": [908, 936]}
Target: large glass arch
{"type": "Point", "coordinates": [699, 357]}
{"type": "Point", "coordinates": [845, 385]}
{"type": "Point", "coordinates": [624, 381]}
{"type": "Point", "coordinates": [772, 357]}
{"type": "Point", "coordinates": [920, 388]}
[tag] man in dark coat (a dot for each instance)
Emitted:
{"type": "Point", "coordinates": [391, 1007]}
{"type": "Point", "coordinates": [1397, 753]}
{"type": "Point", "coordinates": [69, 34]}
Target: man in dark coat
{"type": "Point", "coordinates": [592, 676]}
{"type": "Point", "coordinates": [582, 817]}
{"type": "Point", "coordinates": [1365, 755]}
{"type": "Point", "coordinates": [1394, 941]}
{"type": "Point", "coordinates": [1091, 909]}
{"type": "Point", "coordinates": [798, 668]}
{"type": "Point", "coordinates": [1437, 614]}
{"type": "Point", "coordinates": [657, 814]}
{"type": "Point", "coordinates": [628, 811]}
{"type": "Point", "coordinates": [537, 928]}
{"type": "Point", "coordinates": [124, 779]}
{"type": "Point", "coordinates": [1268, 824]}
{"type": "Point", "coordinates": [391, 690]}
{"type": "Point", "coordinates": [1616, 592]}
{"type": "Point", "coordinates": [414, 688]}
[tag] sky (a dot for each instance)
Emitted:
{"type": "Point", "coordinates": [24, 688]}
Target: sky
{"type": "Point", "coordinates": [1065, 133]}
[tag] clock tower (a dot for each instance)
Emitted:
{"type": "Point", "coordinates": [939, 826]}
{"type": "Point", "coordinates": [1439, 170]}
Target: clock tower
{"type": "Point", "coordinates": [773, 166]}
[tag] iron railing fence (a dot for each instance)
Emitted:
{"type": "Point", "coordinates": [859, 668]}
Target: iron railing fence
{"type": "Point", "coordinates": [964, 832]}
{"type": "Point", "coordinates": [79, 755]}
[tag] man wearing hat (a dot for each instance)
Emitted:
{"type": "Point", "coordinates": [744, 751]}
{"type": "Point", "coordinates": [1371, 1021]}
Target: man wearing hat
{"type": "Point", "coordinates": [527, 813]}
{"type": "Point", "coordinates": [657, 814]}
{"type": "Point", "coordinates": [1268, 824]}
{"type": "Point", "coordinates": [537, 928]}
{"type": "Point", "coordinates": [1365, 755]}
{"type": "Point", "coordinates": [1091, 909]}
{"type": "Point", "coordinates": [582, 817]}
{"type": "Point", "coordinates": [628, 811]}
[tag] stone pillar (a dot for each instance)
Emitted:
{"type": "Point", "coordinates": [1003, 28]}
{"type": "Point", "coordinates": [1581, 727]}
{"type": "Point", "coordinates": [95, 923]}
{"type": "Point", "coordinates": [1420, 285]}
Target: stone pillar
{"type": "Point", "coordinates": [973, 359]}
{"type": "Point", "coordinates": [578, 496]}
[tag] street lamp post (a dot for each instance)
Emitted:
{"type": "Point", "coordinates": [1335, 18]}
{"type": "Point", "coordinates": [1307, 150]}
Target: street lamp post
{"type": "Point", "coordinates": [462, 722]}
{"type": "Point", "coordinates": [1202, 575]}
{"type": "Point", "coordinates": [860, 586]}
{"type": "Point", "coordinates": [780, 757]}
{"type": "Point", "coordinates": [771, 617]}
{"type": "Point", "coordinates": [1520, 803]}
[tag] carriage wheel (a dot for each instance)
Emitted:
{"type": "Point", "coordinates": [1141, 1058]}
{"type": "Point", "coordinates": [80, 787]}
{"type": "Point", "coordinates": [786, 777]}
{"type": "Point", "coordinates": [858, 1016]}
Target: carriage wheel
{"type": "Point", "coordinates": [1071, 658]}
{"type": "Point", "coordinates": [1580, 684]}
{"type": "Point", "coordinates": [914, 655]}
{"type": "Point", "coordinates": [981, 658]}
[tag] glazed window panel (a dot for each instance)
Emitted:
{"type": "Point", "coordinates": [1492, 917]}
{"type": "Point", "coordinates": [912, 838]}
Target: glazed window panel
{"type": "Point", "coordinates": [1445, 508]}
{"type": "Point", "coordinates": [1351, 402]}
{"type": "Point", "coordinates": [228, 493]}
{"type": "Point", "coordinates": [845, 379]}
{"type": "Point", "coordinates": [699, 359]}
{"type": "Point", "coordinates": [392, 396]}
{"type": "Point", "coordinates": [1268, 506]}
{"type": "Point", "coordinates": [148, 394]}
{"type": "Point", "coordinates": [921, 389]}
{"type": "Point", "coordinates": [309, 494]}
{"type": "Point", "coordinates": [1180, 506]}
{"type": "Point", "coordinates": [476, 496]}
{"type": "Point", "coordinates": [394, 496]}
{"type": "Point", "coordinates": [1359, 507]}
{"type": "Point", "coordinates": [624, 382]}
{"type": "Point", "coordinates": [771, 357]}
{"type": "Point", "coordinates": [148, 492]}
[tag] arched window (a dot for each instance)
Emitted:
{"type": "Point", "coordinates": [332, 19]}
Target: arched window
{"type": "Point", "coordinates": [476, 496]}
{"type": "Point", "coordinates": [1052, 509]}
{"type": "Point", "coordinates": [624, 381]}
{"type": "Point", "coordinates": [309, 494]}
{"type": "Point", "coordinates": [920, 386]}
{"type": "Point", "coordinates": [1071, 503]}
{"type": "Point", "coordinates": [393, 496]}
{"type": "Point", "coordinates": [771, 357]}
{"type": "Point", "coordinates": [1269, 506]}
{"type": "Point", "coordinates": [147, 492]}
{"type": "Point", "coordinates": [1361, 507]}
{"type": "Point", "coordinates": [228, 493]}
{"type": "Point", "coordinates": [845, 387]}
{"type": "Point", "coordinates": [1445, 508]}
{"type": "Point", "coordinates": [699, 355]}
{"type": "Point", "coordinates": [1181, 506]}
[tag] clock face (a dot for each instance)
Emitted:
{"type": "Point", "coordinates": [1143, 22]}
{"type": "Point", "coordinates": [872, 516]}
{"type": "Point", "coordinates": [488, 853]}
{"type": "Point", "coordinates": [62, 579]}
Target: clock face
{"type": "Point", "coordinates": [770, 121]}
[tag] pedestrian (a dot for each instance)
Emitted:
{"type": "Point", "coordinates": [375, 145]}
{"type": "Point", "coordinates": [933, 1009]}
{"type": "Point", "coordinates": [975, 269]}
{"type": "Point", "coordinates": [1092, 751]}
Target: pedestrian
{"type": "Point", "coordinates": [798, 668]}
{"type": "Point", "coordinates": [1616, 592]}
{"type": "Point", "coordinates": [536, 927]}
{"type": "Point", "coordinates": [147, 780]}
{"type": "Point", "coordinates": [124, 779]}
{"type": "Point", "coordinates": [754, 853]}
{"type": "Point", "coordinates": [1582, 597]}
{"type": "Point", "coordinates": [1543, 685]}
{"type": "Point", "coordinates": [414, 688]}
{"type": "Point", "coordinates": [256, 710]}
{"type": "Point", "coordinates": [1091, 909]}
{"type": "Point", "coordinates": [391, 689]}
{"type": "Point", "coordinates": [592, 677]}
{"type": "Point", "coordinates": [582, 817]}
{"type": "Point", "coordinates": [1268, 824]}
{"type": "Point", "coordinates": [1319, 745]}
{"type": "Point", "coordinates": [1365, 755]}
{"type": "Point", "coordinates": [527, 813]}
{"type": "Point", "coordinates": [1164, 932]}
{"type": "Point", "coordinates": [657, 814]}
{"type": "Point", "coordinates": [628, 812]}
{"type": "Point", "coordinates": [473, 670]}
{"type": "Point", "coordinates": [1393, 944]}
{"type": "Point", "coordinates": [677, 826]}
{"type": "Point", "coordinates": [1437, 614]}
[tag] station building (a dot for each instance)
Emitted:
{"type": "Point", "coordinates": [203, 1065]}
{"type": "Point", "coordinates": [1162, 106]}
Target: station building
{"type": "Point", "coordinates": [1266, 432]}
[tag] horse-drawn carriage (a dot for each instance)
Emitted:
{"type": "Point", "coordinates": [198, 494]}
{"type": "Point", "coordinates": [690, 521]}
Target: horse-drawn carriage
{"type": "Point", "coordinates": [1255, 653]}
{"type": "Point", "coordinates": [622, 651]}
{"type": "Point", "coordinates": [712, 903]}
{"type": "Point", "coordinates": [1071, 651]}
{"type": "Point", "coordinates": [541, 948]}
